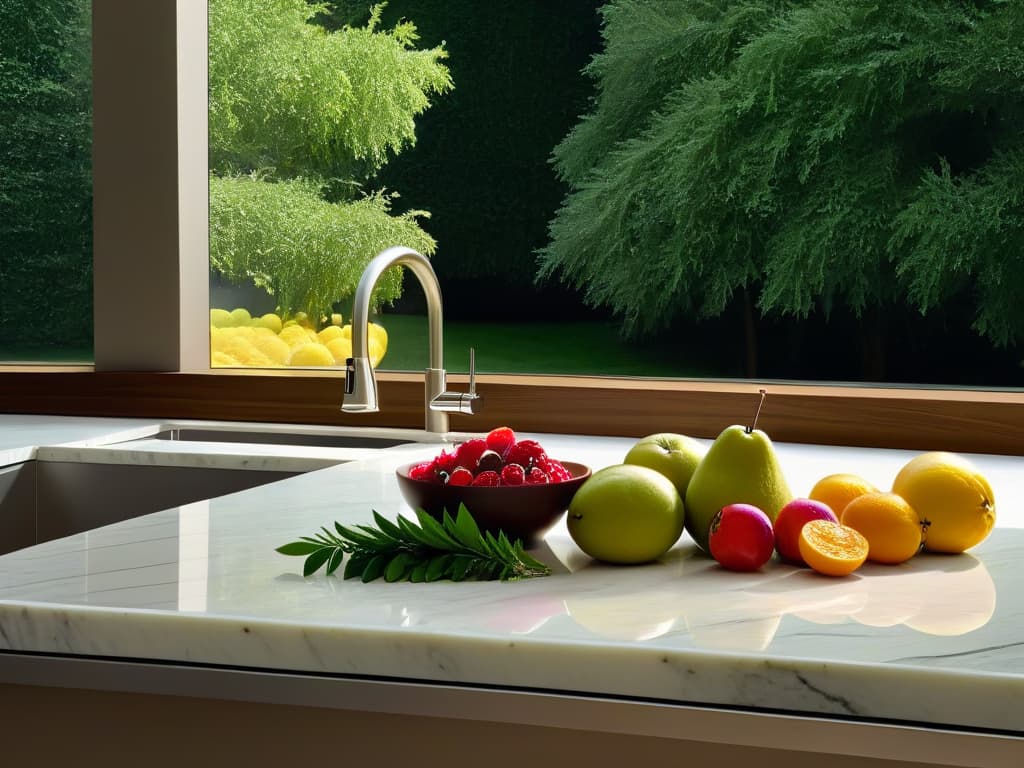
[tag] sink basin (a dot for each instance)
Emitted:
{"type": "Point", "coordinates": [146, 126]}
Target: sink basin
{"type": "Point", "coordinates": [325, 438]}
{"type": "Point", "coordinates": [67, 489]}
{"type": "Point", "coordinates": [47, 499]}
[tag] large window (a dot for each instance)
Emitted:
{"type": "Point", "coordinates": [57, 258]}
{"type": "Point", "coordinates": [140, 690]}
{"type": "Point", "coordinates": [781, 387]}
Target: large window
{"type": "Point", "coordinates": [151, 176]}
{"type": "Point", "coordinates": [665, 189]}
{"type": "Point", "coordinates": [45, 181]}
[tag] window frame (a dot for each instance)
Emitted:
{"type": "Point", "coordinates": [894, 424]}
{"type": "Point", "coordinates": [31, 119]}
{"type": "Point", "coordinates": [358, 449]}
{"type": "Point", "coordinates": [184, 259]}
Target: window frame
{"type": "Point", "coordinates": [164, 373]}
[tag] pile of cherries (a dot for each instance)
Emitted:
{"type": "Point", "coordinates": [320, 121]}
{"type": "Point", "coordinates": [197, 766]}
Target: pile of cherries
{"type": "Point", "coordinates": [498, 459]}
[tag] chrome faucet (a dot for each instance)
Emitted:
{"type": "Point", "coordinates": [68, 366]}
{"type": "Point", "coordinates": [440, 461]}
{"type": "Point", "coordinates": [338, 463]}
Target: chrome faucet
{"type": "Point", "coordinates": [360, 383]}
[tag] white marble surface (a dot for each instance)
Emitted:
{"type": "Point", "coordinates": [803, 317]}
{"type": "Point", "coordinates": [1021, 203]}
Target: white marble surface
{"type": "Point", "coordinates": [19, 435]}
{"type": "Point", "coordinates": [938, 640]}
{"type": "Point", "coordinates": [133, 441]}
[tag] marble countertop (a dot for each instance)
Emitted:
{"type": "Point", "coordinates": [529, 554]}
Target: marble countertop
{"type": "Point", "coordinates": [935, 641]}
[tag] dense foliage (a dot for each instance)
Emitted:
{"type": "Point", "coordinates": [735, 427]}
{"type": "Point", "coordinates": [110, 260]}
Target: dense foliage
{"type": "Point", "coordinates": [301, 120]}
{"type": "Point", "coordinates": [287, 238]}
{"type": "Point", "coordinates": [481, 164]}
{"type": "Point", "coordinates": [813, 154]}
{"type": "Point", "coordinates": [45, 173]}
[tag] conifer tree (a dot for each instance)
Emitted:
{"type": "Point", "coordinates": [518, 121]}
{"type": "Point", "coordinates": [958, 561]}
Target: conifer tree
{"type": "Point", "coordinates": [301, 119]}
{"type": "Point", "coordinates": [811, 154]}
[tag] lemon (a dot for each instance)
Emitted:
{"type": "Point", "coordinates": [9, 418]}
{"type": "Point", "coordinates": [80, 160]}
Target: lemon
{"type": "Point", "coordinates": [219, 318]}
{"type": "Point", "coordinates": [330, 333]}
{"type": "Point", "coordinates": [240, 316]}
{"type": "Point", "coordinates": [294, 336]}
{"type": "Point", "coordinates": [240, 346]}
{"type": "Point", "coordinates": [311, 355]}
{"type": "Point", "coordinates": [242, 332]}
{"type": "Point", "coordinates": [377, 332]}
{"type": "Point", "coordinates": [376, 350]}
{"type": "Point", "coordinates": [953, 499]}
{"type": "Point", "coordinates": [336, 319]}
{"type": "Point", "coordinates": [303, 319]}
{"type": "Point", "coordinates": [217, 338]}
{"type": "Point", "coordinates": [341, 348]}
{"type": "Point", "coordinates": [346, 331]}
{"type": "Point", "coordinates": [222, 360]}
{"type": "Point", "coordinates": [276, 350]}
{"type": "Point", "coordinates": [271, 321]}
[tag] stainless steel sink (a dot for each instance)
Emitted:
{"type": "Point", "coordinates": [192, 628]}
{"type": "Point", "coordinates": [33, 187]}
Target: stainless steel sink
{"type": "Point", "coordinates": [42, 500]}
{"type": "Point", "coordinates": [68, 489]}
{"type": "Point", "coordinates": [277, 436]}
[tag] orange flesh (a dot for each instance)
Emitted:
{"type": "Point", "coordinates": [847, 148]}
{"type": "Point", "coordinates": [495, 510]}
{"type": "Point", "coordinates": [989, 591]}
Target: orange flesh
{"type": "Point", "coordinates": [831, 548]}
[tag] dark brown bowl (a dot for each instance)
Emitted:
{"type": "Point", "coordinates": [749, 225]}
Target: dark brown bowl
{"type": "Point", "coordinates": [523, 512]}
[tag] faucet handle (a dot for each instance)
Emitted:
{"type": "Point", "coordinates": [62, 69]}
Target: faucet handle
{"type": "Point", "coordinates": [461, 402]}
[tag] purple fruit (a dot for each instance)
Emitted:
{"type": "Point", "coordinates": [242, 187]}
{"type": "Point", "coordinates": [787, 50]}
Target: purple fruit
{"type": "Point", "coordinates": [741, 537]}
{"type": "Point", "coordinates": [791, 520]}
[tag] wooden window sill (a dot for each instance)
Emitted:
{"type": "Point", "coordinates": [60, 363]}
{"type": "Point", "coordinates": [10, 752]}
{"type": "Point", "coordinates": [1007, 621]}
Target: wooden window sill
{"type": "Point", "coordinates": [980, 421]}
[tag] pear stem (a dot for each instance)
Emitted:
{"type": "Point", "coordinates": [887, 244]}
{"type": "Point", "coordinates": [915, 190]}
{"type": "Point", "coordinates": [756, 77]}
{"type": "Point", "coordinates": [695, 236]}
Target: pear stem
{"type": "Point", "coordinates": [753, 426]}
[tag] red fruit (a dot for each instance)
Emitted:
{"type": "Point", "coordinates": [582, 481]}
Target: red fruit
{"type": "Point", "coordinates": [537, 476]}
{"type": "Point", "coordinates": [791, 520]}
{"type": "Point", "coordinates": [424, 471]}
{"type": "Point", "coordinates": [468, 454]}
{"type": "Point", "coordinates": [461, 476]}
{"type": "Point", "coordinates": [487, 478]}
{"type": "Point", "coordinates": [446, 462]}
{"type": "Point", "coordinates": [500, 440]}
{"type": "Point", "coordinates": [526, 453]}
{"type": "Point", "coordinates": [555, 470]}
{"type": "Point", "coordinates": [513, 474]}
{"type": "Point", "coordinates": [741, 537]}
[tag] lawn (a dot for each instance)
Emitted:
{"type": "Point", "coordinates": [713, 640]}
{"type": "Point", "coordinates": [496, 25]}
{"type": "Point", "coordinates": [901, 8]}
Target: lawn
{"type": "Point", "coordinates": [15, 355]}
{"type": "Point", "coordinates": [578, 348]}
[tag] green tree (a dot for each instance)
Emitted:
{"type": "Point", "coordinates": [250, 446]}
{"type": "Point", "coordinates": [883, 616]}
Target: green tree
{"type": "Point", "coordinates": [802, 154]}
{"type": "Point", "coordinates": [301, 120]}
{"type": "Point", "coordinates": [45, 173]}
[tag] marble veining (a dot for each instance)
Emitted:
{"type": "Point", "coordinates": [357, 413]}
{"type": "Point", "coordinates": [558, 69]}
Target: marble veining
{"type": "Point", "coordinates": [935, 640]}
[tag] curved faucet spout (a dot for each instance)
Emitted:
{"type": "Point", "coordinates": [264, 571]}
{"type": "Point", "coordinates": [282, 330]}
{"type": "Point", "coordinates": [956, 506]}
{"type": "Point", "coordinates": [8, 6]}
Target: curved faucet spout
{"type": "Point", "coordinates": [360, 383]}
{"type": "Point", "coordinates": [420, 266]}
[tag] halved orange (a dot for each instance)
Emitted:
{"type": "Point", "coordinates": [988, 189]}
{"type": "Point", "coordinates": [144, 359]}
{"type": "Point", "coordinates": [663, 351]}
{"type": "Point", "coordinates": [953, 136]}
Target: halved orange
{"type": "Point", "coordinates": [831, 548]}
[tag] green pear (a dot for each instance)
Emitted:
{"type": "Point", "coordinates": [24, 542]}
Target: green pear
{"type": "Point", "coordinates": [740, 467]}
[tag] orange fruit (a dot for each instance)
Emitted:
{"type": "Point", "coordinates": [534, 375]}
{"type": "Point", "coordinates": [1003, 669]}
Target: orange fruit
{"type": "Point", "coordinates": [839, 490]}
{"type": "Point", "coordinates": [832, 548]}
{"type": "Point", "coordinates": [952, 498]}
{"type": "Point", "coordinates": [888, 522]}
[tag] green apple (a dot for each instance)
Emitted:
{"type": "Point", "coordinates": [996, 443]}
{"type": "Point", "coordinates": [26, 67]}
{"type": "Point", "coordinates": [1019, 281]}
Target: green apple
{"type": "Point", "coordinates": [626, 514]}
{"type": "Point", "coordinates": [675, 456]}
{"type": "Point", "coordinates": [740, 467]}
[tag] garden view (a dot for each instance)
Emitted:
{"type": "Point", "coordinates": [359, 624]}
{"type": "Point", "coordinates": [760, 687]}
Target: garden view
{"type": "Point", "coordinates": [797, 190]}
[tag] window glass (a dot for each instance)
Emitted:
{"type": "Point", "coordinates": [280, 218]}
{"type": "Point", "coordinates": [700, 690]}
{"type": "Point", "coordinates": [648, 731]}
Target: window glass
{"type": "Point", "coordinates": [45, 181]}
{"type": "Point", "coordinates": [624, 187]}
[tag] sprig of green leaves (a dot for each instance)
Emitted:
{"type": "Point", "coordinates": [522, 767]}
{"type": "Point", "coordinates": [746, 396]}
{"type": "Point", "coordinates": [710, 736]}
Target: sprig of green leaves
{"type": "Point", "coordinates": [452, 548]}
